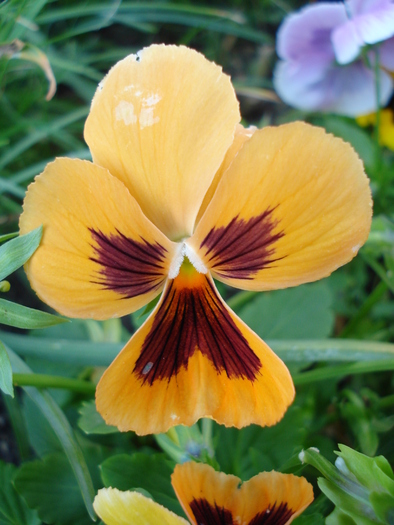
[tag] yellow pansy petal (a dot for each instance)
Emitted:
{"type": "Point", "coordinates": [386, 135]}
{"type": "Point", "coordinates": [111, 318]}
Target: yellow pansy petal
{"type": "Point", "coordinates": [293, 206]}
{"type": "Point", "coordinates": [193, 358]}
{"type": "Point", "coordinates": [241, 136]}
{"type": "Point", "coordinates": [99, 256]}
{"type": "Point", "coordinates": [208, 496]}
{"type": "Point", "coordinates": [115, 507]}
{"type": "Point", "coordinates": [161, 122]}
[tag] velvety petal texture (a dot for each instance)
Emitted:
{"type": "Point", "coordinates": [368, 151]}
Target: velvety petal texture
{"type": "Point", "coordinates": [193, 358]}
{"type": "Point", "coordinates": [210, 497]}
{"type": "Point", "coordinates": [99, 256]}
{"type": "Point", "coordinates": [115, 507]}
{"type": "Point", "coordinates": [161, 121]}
{"type": "Point", "coordinates": [298, 226]}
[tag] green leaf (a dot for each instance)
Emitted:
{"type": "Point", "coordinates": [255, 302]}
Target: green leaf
{"type": "Point", "coordinates": [5, 372]}
{"type": "Point", "coordinates": [64, 432]}
{"type": "Point", "coordinates": [49, 486]}
{"type": "Point", "coordinates": [254, 449]}
{"type": "Point", "coordinates": [8, 236]}
{"type": "Point", "coordinates": [19, 316]}
{"type": "Point", "coordinates": [14, 253]}
{"type": "Point", "coordinates": [361, 140]}
{"type": "Point", "coordinates": [139, 471]}
{"type": "Point", "coordinates": [13, 508]}
{"type": "Point", "coordinates": [296, 313]}
{"type": "Point", "coordinates": [383, 505]}
{"type": "Point", "coordinates": [91, 422]}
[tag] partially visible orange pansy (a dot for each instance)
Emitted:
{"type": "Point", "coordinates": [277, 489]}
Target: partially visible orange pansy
{"type": "Point", "coordinates": [212, 498]}
{"type": "Point", "coordinates": [179, 192]}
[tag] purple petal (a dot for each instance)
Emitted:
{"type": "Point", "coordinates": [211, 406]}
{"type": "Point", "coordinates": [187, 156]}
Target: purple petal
{"type": "Point", "coordinates": [386, 54]}
{"type": "Point", "coordinates": [344, 90]}
{"type": "Point", "coordinates": [372, 22]}
{"type": "Point", "coordinates": [353, 89]}
{"type": "Point", "coordinates": [360, 7]}
{"type": "Point", "coordinates": [308, 32]}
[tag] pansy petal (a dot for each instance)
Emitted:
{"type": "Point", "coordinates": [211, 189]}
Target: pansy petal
{"type": "Point", "coordinates": [386, 55]}
{"type": "Point", "coordinates": [346, 90]}
{"type": "Point", "coordinates": [115, 507]}
{"type": "Point", "coordinates": [208, 496]}
{"type": "Point", "coordinates": [162, 122]}
{"type": "Point", "coordinates": [99, 257]}
{"type": "Point", "coordinates": [205, 494]}
{"type": "Point", "coordinates": [193, 358]}
{"type": "Point", "coordinates": [306, 33]}
{"type": "Point", "coordinates": [241, 135]}
{"type": "Point", "coordinates": [294, 205]}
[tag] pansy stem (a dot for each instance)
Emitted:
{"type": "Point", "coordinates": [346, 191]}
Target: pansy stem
{"type": "Point", "coordinates": [101, 354]}
{"type": "Point", "coordinates": [337, 371]}
{"type": "Point", "coordinates": [49, 381]}
{"type": "Point", "coordinates": [378, 160]}
{"type": "Point", "coordinates": [207, 427]}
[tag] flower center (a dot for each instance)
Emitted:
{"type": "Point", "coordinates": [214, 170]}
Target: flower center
{"type": "Point", "coordinates": [183, 250]}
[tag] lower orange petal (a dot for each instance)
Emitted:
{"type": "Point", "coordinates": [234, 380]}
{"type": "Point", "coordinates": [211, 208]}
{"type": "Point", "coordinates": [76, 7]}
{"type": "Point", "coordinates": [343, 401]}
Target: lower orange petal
{"type": "Point", "coordinates": [269, 498]}
{"type": "Point", "coordinates": [193, 358]}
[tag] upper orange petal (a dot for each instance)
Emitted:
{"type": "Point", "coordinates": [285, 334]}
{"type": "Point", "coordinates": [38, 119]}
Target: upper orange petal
{"type": "Point", "coordinates": [162, 122]}
{"type": "Point", "coordinates": [99, 256]}
{"type": "Point", "coordinates": [208, 496]}
{"type": "Point", "coordinates": [193, 358]}
{"type": "Point", "coordinates": [293, 206]}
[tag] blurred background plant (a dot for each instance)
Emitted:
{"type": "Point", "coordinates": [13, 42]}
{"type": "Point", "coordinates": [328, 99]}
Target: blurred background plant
{"type": "Point", "coordinates": [335, 335]}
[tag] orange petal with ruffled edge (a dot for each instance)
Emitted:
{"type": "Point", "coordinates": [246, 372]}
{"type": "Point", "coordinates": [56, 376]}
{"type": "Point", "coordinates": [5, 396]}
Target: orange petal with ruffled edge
{"type": "Point", "coordinates": [294, 205]}
{"type": "Point", "coordinates": [208, 496]}
{"type": "Point", "coordinates": [99, 256]}
{"type": "Point", "coordinates": [161, 121]}
{"type": "Point", "coordinates": [115, 507]}
{"type": "Point", "coordinates": [193, 358]}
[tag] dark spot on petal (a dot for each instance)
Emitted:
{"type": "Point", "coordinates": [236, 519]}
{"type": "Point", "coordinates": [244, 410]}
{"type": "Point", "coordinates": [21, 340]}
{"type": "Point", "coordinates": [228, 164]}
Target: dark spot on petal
{"type": "Point", "coordinates": [242, 248]}
{"type": "Point", "coordinates": [190, 319]}
{"type": "Point", "coordinates": [274, 515]}
{"type": "Point", "coordinates": [128, 267]}
{"type": "Point", "coordinates": [206, 514]}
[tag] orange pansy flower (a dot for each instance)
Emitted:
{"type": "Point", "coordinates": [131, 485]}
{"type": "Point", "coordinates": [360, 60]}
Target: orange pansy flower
{"type": "Point", "coordinates": [212, 498]}
{"type": "Point", "coordinates": [178, 193]}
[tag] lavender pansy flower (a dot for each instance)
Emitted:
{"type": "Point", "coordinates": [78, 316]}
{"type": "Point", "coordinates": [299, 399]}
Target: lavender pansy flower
{"type": "Point", "coordinates": [316, 43]}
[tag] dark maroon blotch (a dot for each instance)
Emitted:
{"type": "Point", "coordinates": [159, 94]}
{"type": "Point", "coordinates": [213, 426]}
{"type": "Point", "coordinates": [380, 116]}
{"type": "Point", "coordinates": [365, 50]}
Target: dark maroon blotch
{"type": "Point", "coordinates": [191, 318]}
{"type": "Point", "coordinates": [128, 267]}
{"type": "Point", "coordinates": [242, 248]}
{"type": "Point", "coordinates": [275, 515]}
{"type": "Point", "coordinates": [207, 514]}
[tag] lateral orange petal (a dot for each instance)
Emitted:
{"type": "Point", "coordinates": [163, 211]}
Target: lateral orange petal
{"type": "Point", "coordinates": [294, 205]}
{"type": "Point", "coordinates": [162, 122]}
{"type": "Point", "coordinates": [270, 497]}
{"type": "Point", "coordinates": [193, 358]}
{"type": "Point", "coordinates": [241, 136]}
{"type": "Point", "coordinates": [99, 257]}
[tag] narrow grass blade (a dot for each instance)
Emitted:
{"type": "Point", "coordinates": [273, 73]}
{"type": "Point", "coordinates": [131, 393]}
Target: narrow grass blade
{"type": "Point", "coordinates": [64, 432]}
